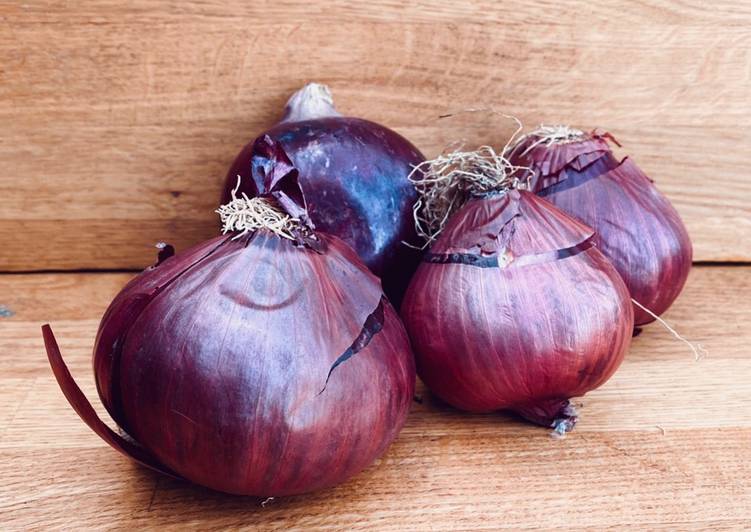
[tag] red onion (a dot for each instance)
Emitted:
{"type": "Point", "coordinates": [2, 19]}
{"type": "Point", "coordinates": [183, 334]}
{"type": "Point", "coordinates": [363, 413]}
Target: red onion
{"type": "Point", "coordinates": [514, 307]}
{"type": "Point", "coordinates": [637, 227]}
{"type": "Point", "coordinates": [264, 363]}
{"type": "Point", "coordinates": [354, 176]}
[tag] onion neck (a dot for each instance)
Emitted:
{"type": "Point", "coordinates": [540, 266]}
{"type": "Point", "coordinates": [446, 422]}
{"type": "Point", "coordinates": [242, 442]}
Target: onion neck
{"type": "Point", "coordinates": [314, 100]}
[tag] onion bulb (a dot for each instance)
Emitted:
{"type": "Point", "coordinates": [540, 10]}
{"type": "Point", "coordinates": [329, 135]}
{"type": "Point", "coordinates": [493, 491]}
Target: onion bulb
{"type": "Point", "coordinates": [354, 176]}
{"type": "Point", "coordinates": [263, 362]}
{"type": "Point", "coordinates": [513, 306]}
{"type": "Point", "coordinates": [637, 227]}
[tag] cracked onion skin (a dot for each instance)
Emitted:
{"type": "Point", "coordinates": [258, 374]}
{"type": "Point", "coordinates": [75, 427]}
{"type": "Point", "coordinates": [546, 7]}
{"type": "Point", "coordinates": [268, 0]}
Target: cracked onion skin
{"type": "Point", "coordinates": [514, 308]}
{"type": "Point", "coordinates": [637, 227]}
{"type": "Point", "coordinates": [353, 173]}
{"type": "Point", "coordinates": [253, 365]}
{"type": "Point", "coordinates": [214, 362]}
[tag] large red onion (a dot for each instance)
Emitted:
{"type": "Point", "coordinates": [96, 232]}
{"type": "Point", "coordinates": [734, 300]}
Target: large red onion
{"type": "Point", "coordinates": [354, 176]}
{"type": "Point", "coordinates": [637, 227]}
{"type": "Point", "coordinates": [514, 308]}
{"type": "Point", "coordinates": [252, 363]}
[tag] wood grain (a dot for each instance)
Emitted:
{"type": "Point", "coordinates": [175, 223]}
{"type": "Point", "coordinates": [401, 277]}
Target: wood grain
{"type": "Point", "coordinates": [663, 445]}
{"type": "Point", "coordinates": [668, 12]}
{"type": "Point", "coordinates": [119, 121]}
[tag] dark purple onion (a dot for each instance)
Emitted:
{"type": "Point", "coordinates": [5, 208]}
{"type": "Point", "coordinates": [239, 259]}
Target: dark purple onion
{"type": "Point", "coordinates": [637, 227]}
{"type": "Point", "coordinates": [353, 173]}
{"type": "Point", "coordinates": [514, 308]}
{"type": "Point", "coordinates": [255, 364]}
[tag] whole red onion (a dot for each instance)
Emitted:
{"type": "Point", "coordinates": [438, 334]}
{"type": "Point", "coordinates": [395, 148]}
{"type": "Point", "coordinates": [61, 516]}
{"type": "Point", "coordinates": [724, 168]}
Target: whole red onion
{"type": "Point", "coordinates": [514, 308]}
{"type": "Point", "coordinates": [637, 227]}
{"type": "Point", "coordinates": [262, 363]}
{"type": "Point", "coordinates": [354, 176]}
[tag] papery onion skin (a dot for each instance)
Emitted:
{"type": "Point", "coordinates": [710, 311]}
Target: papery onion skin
{"type": "Point", "coordinates": [217, 363]}
{"type": "Point", "coordinates": [354, 176]}
{"type": "Point", "coordinates": [253, 363]}
{"type": "Point", "coordinates": [553, 324]}
{"type": "Point", "coordinates": [637, 227]}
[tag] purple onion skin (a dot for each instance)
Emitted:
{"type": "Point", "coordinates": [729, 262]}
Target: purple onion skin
{"type": "Point", "coordinates": [220, 363]}
{"type": "Point", "coordinates": [353, 174]}
{"type": "Point", "coordinates": [553, 324]}
{"type": "Point", "coordinates": [637, 227]}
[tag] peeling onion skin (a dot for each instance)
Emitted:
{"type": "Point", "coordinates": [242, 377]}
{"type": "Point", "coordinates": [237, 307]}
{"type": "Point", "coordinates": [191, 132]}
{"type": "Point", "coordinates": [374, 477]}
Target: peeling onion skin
{"type": "Point", "coordinates": [353, 173]}
{"type": "Point", "coordinates": [221, 363]}
{"type": "Point", "coordinates": [527, 337]}
{"type": "Point", "coordinates": [637, 227]}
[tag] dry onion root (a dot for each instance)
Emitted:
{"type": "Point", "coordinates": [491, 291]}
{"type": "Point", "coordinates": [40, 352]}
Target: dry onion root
{"type": "Point", "coordinates": [245, 215]}
{"type": "Point", "coordinates": [550, 135]}
{"type": "Point", "coordinates": [444, 184]}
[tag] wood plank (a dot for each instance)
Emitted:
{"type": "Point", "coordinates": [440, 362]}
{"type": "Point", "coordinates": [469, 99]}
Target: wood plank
{"type": "Point", "coordinates": [117, 129]}
{"type": "Point", "coordinates": [664, 444]}
{"type": "Point", "coordinates": [673, 12]}
{"type": "Point", "coordinates": [623, 480]}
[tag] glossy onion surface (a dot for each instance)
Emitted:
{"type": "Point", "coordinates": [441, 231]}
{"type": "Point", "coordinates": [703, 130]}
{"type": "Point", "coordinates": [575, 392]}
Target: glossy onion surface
{"type": "Point", "coordinates": [353, 173]}
{"type": "Point", "coordinates": [637, 227]}
{"type": "Point", "coordinates": [252, 366]}
{"type": "Point", "coordinates": [515, 308]}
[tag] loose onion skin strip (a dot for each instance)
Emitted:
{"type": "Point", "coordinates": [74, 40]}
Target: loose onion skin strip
{"type": "Point", "coordinates": [83, 408]}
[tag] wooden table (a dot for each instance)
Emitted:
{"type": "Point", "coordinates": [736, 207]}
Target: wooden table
{"type": "Point", "coordinates": [666, 442]}
{"type": "Point", "coordinates": [119, 121]}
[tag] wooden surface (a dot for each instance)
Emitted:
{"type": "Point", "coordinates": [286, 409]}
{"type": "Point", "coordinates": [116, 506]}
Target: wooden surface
{"type": "Point", "coordinates": [666, 443]}
{"type": "Point", "coordinates": [119, 119]}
